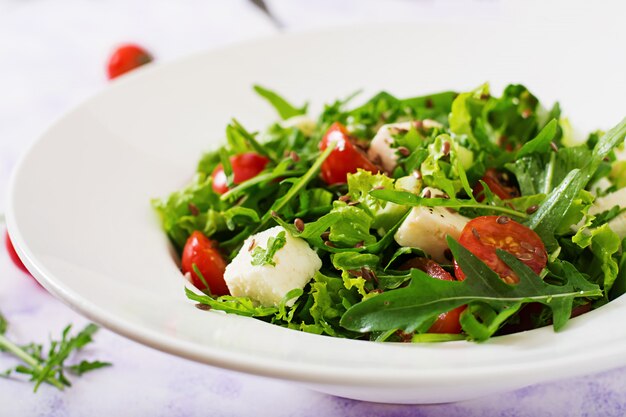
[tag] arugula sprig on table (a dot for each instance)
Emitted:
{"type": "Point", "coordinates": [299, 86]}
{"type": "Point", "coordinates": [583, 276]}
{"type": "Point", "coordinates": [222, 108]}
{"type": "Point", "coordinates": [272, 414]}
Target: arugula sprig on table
{"type": "Point", "coordinates": [49, 366]}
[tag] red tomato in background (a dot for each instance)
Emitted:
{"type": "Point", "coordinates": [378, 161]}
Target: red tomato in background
{"type": "Point", "coordinates": [201, 251]}
{"type": "Point", "coordinates": [499, 183]}
{"type": "Point", "coordinates": [245, 166]}
{"type": "Point", "coordinates": [345, 159]}
{"type": "Point", "coordinates": [446, 322]}
{"type": "Point", "coordinates": [126, 58]}
{"type": "Point", "coordinates": [483, 235]}
{"type": "Point", "coordinates": [13, 254]}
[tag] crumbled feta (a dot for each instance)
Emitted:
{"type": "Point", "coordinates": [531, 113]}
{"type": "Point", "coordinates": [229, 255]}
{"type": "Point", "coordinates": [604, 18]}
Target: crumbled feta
{"type": "Point", "coordinates": [381, 148]}
{"type": "Point", "coordinates": [426, 228]}
{"type": "Point", "coordinates": [296, 263]}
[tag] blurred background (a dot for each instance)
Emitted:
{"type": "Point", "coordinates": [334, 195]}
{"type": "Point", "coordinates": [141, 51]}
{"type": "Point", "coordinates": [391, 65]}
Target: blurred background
{"type": "Point", "coordinates": [54, 54]}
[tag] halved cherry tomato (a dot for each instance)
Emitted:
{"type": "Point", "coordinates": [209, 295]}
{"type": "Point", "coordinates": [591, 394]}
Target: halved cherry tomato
{"type": "Point", "coordinates": [483, 235]}
{"type": "Point", "coordinates": [446, 322]}
{"type": "Point", "coordinates": [126, 58]}
{"type": "Point", "coordinates": [245, 166]}
{"type": "Point", "coordinates": [13, 254]}
{"type": "Point", "coordinates": [500, 183]}
{"type": "Point", "coordinates": [345, 159]}
{"type": "Point", "coordinates": [202, 252]}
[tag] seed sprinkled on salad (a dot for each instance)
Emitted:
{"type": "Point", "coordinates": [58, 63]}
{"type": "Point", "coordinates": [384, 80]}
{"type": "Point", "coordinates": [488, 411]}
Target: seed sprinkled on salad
{"type": "Point", "coordinates": [299, 224]}
{"type": "Point", "coordinates": [503, 219]}
{"type": "Point", "coordinates": [384, 220]}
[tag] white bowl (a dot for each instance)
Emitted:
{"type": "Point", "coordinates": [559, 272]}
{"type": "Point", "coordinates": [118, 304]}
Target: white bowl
{"type": "Point", "coordinates": [80, 214]}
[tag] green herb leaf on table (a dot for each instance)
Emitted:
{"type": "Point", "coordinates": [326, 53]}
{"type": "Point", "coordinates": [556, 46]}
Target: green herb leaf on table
{"type": "Point", "coordinates": [50, 368]}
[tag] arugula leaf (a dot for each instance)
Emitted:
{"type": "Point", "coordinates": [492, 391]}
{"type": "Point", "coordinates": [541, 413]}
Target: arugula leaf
{"type": "Point", "coordinates": [282, 106]}
{"type": "Point", "coordinates": [262, 256]}
{"type": "Point", "coordinates": [86, 366]}
{"type": "Point", "coordinates": [548, 217]}
{"type": "Point", "coordinates": [402, 251]}
{"type": "Point", "coordinates": [242, 306]}
{"type": "Point", "coordinates": [237, 216]}
{"type": "Point", "coordinates": [541, 142]}
{"type": "Point", "coordinates": [426, 297]}
{"type": "Point", "coordinates": [480, 321]}
{"type": "Point", "coordinates": [3, 324]}
{"type": "Point", "coordinates": [410, 199]}
{"type": "Point", "coordinates": [606, 216]}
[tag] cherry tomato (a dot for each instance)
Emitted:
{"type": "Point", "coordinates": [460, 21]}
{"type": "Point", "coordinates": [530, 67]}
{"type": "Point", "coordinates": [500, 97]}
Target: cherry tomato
{"type": "Point", "coordinates": [500, 183]}
{"type": "Point", "coordinates": [202, 252]}
{"type": "Point", "coordinates": [245, 166]}
{"type": "Point", "coordinates": [483, 235]}
{"type": "Point", "coordinates": [125, 58]}
{"type": "Point", "coordinates": [345, 159]}
{"type": "Point", "coordinates": [13, 254]}
{"type": "Point", "coordinates": [446, 322]}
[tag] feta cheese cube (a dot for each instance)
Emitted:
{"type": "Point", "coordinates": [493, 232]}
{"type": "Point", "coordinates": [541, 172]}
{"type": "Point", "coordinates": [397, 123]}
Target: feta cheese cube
{"type": "Point", "coordinates": [296, 263]}
{"type": "Point", "coordinates": [426, 228]}
{"type": "Point", "coordinates": [381, 148]}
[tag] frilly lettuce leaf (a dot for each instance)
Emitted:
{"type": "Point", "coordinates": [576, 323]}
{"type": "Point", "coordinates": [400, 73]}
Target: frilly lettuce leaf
{"type": "Point", "coordinates": [353, 228]}
{"type": "Point", "coordinates": [384, 214]}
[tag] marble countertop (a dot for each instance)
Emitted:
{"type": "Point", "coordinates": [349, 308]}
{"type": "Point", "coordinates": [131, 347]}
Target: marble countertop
{"type": "Point", "coordinates": [52, 56]}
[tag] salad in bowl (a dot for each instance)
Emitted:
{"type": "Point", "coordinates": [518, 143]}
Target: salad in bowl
{"type": "Point", "coordinates": [441, 217]}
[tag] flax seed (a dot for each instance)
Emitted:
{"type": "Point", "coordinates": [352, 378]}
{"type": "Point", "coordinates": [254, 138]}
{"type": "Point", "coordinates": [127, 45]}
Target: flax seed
{"type": "Point", "coordinates": [503, 219]}
{"type": "Point", "coordinates": [445, 148]}
{"type": "Point", "coordinates": [532, 209]}
{"type": "Point", "coordinates": [193, 209]}
{"type": "Point", "coordinates": [404, 151]}
{"type": "Point", "coordinates": [554, 146]}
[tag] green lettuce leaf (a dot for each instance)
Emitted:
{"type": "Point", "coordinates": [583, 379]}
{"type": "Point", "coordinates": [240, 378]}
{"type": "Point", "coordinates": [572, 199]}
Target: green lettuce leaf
{"type": "Point", "coordinates": [353, 228]}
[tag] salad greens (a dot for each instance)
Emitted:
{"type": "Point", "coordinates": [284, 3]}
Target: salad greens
{"type": "Point", "coordinates": [448, 143]}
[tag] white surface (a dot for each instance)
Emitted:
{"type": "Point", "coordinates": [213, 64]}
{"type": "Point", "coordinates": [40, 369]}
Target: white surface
{"type": "Point", "coordinates": [50, 61]}
{"type": "Point", "coordinates": [104, 253]}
